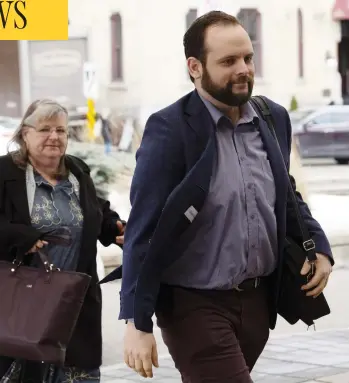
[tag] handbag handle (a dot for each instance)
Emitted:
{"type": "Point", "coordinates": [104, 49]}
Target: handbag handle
{"type": "Point", "coordinates": [59, 236]}
{"type": "Point", "coordinates": [308, 244]}
{"type": "Point", "coordinates": [17, 262]}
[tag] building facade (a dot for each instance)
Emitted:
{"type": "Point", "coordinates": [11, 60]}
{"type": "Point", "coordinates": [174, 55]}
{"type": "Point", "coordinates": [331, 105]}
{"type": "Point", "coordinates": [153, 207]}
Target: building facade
{"type": "Point", "coordinates": [137, 49]}
{"type": "Point", "coordinates": [10, 88]}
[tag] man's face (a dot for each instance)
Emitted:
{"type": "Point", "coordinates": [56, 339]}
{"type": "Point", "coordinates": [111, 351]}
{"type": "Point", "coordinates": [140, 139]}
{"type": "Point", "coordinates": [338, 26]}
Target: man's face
{"type": "Point", "coordinates": [228, 73]}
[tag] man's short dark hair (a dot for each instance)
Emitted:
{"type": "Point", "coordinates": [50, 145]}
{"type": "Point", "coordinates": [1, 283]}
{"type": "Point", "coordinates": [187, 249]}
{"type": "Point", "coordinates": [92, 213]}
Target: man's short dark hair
{"type": "Point", "coordinates": [194, 38]}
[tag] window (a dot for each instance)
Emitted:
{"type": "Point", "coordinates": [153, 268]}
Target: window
{"type": "Point", "coordinates": [300, 44]}
{"type": "Point", "coordinates": [331, 118]}
{"type": "Point", "coordinates": [251, 21]}
{"type": "Point", "coordinates": [298, 115]}
{"type": "Point", "coordinates": [322, 119]}
{"type": "Point", "coordinates": [191, 16]}
{"type": "Point", "coordinates": [340, 117]}
{"type": "Point", "coordinates": [116, 48]}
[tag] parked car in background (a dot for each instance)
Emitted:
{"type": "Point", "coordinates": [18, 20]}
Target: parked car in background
{"type": "Point", "coordinates": [322, 132]}
{"type": "Point", "coordinates": [300, 114]}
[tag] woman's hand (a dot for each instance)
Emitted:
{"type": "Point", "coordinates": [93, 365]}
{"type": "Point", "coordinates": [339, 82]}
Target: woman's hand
{"type": "Point", "coordinates": [39, 245]}
{"type": "Point", "coordinates": [121, 229]}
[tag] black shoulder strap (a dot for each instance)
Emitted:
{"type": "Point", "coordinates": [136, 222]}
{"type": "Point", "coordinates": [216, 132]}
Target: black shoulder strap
{"type": "Point", "coordinates": [262, 108]}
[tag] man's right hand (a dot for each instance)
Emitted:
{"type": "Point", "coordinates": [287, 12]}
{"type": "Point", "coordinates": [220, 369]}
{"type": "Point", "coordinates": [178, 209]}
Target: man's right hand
{"type": "Point", "coordinates": [140, 352]}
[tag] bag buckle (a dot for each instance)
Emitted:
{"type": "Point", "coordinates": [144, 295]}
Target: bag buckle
{"type": "Point", "coordinates": [311, 272]}
{"type": "Point", "coordinates": [237, 288]}
{"type": "Point", "coordinates": [16, 264]}
{"type": "Point", "coordinates": [309, 245]}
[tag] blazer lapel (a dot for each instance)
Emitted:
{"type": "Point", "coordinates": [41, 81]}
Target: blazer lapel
{"type": "Point", "coordinates": [91, 212]}
{"type": "Point", "coordinates": [199, 119]}
{"type": "Point", "coordinates": [85, 204]}
{"type": "Point", "coordinates": [202, 143]}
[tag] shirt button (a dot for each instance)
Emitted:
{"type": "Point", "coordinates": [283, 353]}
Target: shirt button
{"type": "Point", "coordinates": [253, 216]}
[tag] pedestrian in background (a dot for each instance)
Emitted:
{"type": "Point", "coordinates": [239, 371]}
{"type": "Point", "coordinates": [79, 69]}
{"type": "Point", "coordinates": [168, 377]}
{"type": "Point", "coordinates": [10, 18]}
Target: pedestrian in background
{"type": "Point", "coordinates": [106, 132]}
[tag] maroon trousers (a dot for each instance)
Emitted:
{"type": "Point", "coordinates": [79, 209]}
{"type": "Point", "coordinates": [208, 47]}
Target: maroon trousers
{"type": "Point", "coordinates": [214, 336]}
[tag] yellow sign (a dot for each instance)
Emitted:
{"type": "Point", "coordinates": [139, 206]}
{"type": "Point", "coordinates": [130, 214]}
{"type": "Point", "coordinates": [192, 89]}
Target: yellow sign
{"type": "Point", "coordinates": [33, 19]}
{"type": "Point", "coordinates": [91, 118]}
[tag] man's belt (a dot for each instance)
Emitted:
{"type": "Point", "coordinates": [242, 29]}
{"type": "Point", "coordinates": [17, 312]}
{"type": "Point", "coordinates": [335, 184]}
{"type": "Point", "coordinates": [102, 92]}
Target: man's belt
{"type": "Point", "coordinates": [248, 284]}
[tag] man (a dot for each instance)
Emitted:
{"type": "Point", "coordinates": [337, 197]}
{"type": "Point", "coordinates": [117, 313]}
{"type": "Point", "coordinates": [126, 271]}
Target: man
{"type": "Point", "coordinates": [208, 220]}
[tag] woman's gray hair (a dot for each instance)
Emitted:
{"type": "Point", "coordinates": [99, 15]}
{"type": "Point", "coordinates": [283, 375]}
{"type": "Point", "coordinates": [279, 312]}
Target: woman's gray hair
{"type": "Point", "coordinates": [39, 110]}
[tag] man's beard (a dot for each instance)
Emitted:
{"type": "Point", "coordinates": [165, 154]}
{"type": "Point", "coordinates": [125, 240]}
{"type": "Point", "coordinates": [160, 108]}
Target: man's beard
{"type": "Point", "coordinates": [226, 94]}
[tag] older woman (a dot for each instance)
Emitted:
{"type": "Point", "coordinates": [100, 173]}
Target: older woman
{"type": "Point", "coordinates": [42, 188]}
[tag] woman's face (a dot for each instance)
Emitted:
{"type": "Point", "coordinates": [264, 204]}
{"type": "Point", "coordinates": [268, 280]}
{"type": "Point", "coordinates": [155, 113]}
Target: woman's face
{"type": "Point", "coordinates": [48, 139]}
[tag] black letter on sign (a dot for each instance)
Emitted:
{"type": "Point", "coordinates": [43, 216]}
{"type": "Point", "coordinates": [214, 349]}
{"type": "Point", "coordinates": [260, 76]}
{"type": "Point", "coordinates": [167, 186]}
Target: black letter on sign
{"type": "Point", "coordinates": [20, 14]}
{"type": "Point", "coordinates": [2, 12]}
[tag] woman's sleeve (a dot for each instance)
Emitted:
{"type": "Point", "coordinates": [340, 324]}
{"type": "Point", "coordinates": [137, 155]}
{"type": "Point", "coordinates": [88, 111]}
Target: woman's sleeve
{"type": "Point", "coordinates": [109, 229]}
{"type": "Point", "coordinates": [14, 235]}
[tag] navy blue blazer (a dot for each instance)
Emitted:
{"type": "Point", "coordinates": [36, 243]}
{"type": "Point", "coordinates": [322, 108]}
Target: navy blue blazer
{"type": "Point", "coordinates": [173, 172]}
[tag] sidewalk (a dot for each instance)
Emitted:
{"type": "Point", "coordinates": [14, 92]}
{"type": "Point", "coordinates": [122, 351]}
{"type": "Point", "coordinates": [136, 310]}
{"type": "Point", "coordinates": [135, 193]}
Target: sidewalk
{"type": "Point", "coordinates": [301, 358]}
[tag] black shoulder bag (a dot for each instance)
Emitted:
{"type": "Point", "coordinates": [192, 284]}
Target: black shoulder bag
{"type": "Point", "coordinates": [293, 304]}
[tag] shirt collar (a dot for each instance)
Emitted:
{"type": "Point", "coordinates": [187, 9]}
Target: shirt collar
{"type": "Point", "coordinates": [39, 179]}
{"type": "Point", "coordinates": [248, 114]}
